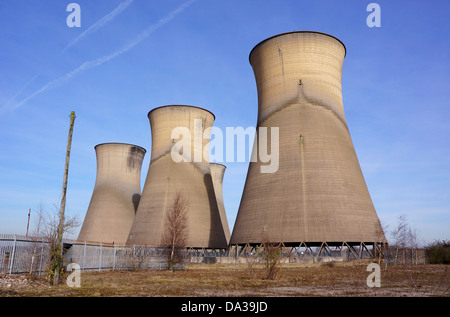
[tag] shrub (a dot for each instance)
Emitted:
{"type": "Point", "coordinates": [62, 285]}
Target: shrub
{"type": "Point", "coordinates": [438, 252]}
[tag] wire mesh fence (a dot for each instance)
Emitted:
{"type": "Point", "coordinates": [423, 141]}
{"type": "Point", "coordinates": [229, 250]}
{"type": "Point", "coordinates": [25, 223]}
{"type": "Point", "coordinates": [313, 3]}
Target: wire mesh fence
{"type": "Point", "coordinates": [22, 254]}
{"type": "Point", "coordinates": [404, 256]}
{"type": "Point", "coordinates": [99, 256]}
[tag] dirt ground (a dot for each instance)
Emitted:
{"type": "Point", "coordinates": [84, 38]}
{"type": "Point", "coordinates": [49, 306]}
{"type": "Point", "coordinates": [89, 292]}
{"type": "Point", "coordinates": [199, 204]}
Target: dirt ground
{"type": "Point", "coordinates": [346, 279]}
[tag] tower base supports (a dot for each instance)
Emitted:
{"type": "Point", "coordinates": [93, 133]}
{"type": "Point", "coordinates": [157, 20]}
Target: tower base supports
{"type": "Point", "coordinates": [343, 250]}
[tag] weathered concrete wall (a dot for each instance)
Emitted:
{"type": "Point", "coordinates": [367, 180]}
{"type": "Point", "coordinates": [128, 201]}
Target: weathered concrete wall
{"type": "Point", "coordinates": [116, 194]}
{"type": "Point", "coordinates": [167, 178]}
{"type": "Point", "coordinates": [217, 174]}
{"type": "Point", "coordinates": [319, 192]}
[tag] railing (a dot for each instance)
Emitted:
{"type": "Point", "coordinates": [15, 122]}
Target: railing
{"type": "Point", "coordinates": [99, 256]}
{"type": "Point", "coordinates": [21, 254]}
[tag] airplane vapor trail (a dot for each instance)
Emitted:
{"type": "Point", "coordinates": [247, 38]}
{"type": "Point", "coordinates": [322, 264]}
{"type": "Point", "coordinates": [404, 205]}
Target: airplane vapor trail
{"type": "Point", "coordinates": [100, 23]}
{"type": "Point", "coordinates": [101, 60]}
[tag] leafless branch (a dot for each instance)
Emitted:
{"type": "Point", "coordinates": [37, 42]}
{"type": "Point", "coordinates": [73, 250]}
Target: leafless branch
{"type": "Point", "coordinates": [174, 236]}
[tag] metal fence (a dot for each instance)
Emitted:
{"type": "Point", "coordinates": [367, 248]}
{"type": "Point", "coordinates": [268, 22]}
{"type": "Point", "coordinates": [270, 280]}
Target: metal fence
{"type": "Point", "coordinates": [99, 256]}
{"type": "Point", "coordinates": [405, 256]}
{"type": "Point", "coordinates": [22, 254]}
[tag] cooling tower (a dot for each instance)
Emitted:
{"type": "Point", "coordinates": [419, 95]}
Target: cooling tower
{"type": "Point", "coordinates": [191, 178]}
{"type": "Point", "coordinates": [116, 194]}
{"type": "Point", "coordinates": [318, 193]}
{"type": "Point", "coordinates": [217, 174]}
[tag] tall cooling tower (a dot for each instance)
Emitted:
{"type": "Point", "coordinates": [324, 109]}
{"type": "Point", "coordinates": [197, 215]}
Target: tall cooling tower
{"type": "Point", "coordinates": [318, 194]}
{"type": "Point", "coordinates": [191, 178]}
{"type": "Point", "coordinates": [217, 174]}
{"type": "Point", "coordinates": [116, 194]}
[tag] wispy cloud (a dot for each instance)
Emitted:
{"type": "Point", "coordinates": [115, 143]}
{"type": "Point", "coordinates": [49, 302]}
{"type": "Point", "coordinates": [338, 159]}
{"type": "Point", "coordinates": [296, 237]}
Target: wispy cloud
{"type": "Point", "coordinates": [101, 60]}
{"type": "Point", "coordinates": [100, 23]}
{"type": "Point", "coordinates": [11, 100]}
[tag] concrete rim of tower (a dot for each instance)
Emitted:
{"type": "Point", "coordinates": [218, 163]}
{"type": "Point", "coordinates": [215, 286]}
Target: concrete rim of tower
{"type": "Point", "coordinates": [187, 106]}
{"type": "Point", "coordinates": [293, 32]}
{"type": "Point", "coordinates": [218, 164]}
{"type": "Point", "coordinates": [120, 143]}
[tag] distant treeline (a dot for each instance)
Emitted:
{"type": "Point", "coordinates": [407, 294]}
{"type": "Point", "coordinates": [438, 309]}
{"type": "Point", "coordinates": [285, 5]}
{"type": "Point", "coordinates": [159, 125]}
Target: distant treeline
{"type": "Point", "coordinates": [438, 252]}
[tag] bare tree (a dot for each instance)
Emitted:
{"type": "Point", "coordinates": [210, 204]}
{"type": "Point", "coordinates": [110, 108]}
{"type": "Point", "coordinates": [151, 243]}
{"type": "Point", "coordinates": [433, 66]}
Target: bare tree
{"type": "Point", "coordinates": [400, 235]}
{"type": "Point", "coordinates": [252, 259]}
{"type": "Point", "coordinates": [137, 257]}
{"type": "Point", "coordinates": [405, 241]}
{"type": "Point", "coordinates": [174, 236]}
{"type": "Point", "coordinates": [36, 233]}
{"type": "Point", "coordinates": [272, 254]}
{"type": "Point", "coordinates": [413, 244]}
{"type": "Point", "coordinates": [52, 228]}
{"type": "Point", "coordinates": [266, 257]}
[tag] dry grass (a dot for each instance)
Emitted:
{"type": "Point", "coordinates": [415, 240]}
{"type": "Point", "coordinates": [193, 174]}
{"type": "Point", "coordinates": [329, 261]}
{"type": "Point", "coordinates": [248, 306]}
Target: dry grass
{"type": "Point", "coordinates": [206, 280]}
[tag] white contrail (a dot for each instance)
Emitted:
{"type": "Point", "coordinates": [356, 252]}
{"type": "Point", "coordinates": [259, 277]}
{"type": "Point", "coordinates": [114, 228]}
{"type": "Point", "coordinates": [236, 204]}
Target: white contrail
{"type": "Point", "coordinates": [107, 18]}
{"type": "Point", "coordinates": [17, 93]}
{"type": "Point", "coordinates": [97, 62]}
{"type": "Point", "coordinates": [95, 27]}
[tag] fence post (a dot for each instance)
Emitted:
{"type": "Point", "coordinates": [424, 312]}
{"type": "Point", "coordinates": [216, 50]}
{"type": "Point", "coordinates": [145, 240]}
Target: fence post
{"type": "Point", "coordinates": [114, 256]}
{"type": "Point", "coordinates": [42, 254]}
{"type": "Point", "coordinates": [84, 255]}
{"type": "Point", "coordinates": [13, 253]}
{"type": "Point", "coordinates": [100, 260]}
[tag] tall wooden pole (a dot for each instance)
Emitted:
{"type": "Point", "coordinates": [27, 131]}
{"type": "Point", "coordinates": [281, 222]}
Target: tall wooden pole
{"type": "Point", "coordinates": [28, 222]}
{"type": "Point", "coordinates": [58, 251]}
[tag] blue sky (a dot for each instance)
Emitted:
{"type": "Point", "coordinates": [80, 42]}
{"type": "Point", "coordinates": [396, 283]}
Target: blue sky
{"type": "Point", "coordinates": [130, 56]}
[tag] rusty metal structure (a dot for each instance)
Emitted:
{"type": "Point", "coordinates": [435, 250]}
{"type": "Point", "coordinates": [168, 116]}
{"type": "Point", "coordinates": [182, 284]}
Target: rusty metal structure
{"type": "Point", "coordinates": [318, 196]}
{"type": "Point", "coordinates": [116, 193]}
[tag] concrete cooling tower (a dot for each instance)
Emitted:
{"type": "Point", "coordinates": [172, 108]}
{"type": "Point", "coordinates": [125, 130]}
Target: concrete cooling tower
{"type": "Point", "coordinates": [217, 174]}
{"type": "Point", "coordinates": [185, 172]}
{"type": "Point", "coordinates": [116, 194]}
{"type": "Point", "coordinates": [318, 193]}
